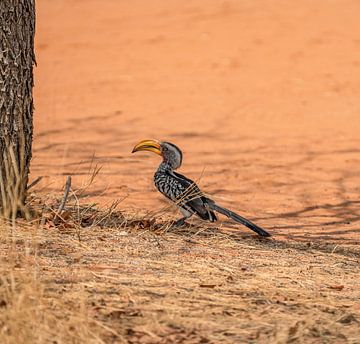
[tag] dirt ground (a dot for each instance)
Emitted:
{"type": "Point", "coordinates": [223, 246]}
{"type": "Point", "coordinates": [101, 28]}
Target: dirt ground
{"type": "Point", "coordinates": [263, 97]}
{"type": "Point", "coordinates": [130, 285]}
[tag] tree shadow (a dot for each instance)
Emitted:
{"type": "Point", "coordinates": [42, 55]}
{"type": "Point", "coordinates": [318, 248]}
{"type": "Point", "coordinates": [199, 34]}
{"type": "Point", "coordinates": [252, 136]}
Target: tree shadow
{"type": "Point", "coordinates": [342, 208]}
{"type": "Point", "coordinates": [337, 224]}
{"type": "Point", "coordinates": [198, 234]}
{"type": "Point", "coordinates": [325, 222]}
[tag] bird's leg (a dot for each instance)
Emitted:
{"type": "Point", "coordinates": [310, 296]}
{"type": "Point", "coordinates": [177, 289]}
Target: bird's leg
{"type": "Point", "coordinates": [180, 222]}
{"type": "Point", "coordinates": [187, 214]}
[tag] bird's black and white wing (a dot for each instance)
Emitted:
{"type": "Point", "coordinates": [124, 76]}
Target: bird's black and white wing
{"type": "Point", "coordinates": [169, 186]}
{"type": "Point", "coordinates": [184, 192]}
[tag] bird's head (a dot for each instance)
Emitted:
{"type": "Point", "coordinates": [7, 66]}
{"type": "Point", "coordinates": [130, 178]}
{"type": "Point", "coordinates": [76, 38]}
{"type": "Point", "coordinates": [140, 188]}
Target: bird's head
{"type": "Point", "coordinates": [171, 154]}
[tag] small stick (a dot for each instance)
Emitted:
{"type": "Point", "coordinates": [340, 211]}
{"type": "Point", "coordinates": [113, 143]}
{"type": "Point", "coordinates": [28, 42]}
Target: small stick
{"type": "Point", "coordinates": [66, 194]}
{"type": "Point", "coordinates": [37, 180]}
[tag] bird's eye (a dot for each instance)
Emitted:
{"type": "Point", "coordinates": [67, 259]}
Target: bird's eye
{"type": "Point", "coordinates": [165, 149]}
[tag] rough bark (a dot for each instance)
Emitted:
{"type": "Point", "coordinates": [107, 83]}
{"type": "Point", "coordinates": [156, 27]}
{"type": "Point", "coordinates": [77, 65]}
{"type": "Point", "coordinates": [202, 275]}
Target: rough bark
{"type": "Point", "coordinates": [17, 30]}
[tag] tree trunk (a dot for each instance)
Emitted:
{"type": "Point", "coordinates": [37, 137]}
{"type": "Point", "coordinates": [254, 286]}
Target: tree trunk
{"type": "Point", "coordinates": [17, 30]}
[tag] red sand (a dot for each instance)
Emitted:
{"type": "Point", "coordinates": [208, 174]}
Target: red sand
{"type": "Point", "coordinates": [263, 95]}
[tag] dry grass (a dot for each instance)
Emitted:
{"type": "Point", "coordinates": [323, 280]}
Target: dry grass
{"type": "Point", "coordinates": [79, 274]}
{"type": "Point", "coordinates": [100, 276]}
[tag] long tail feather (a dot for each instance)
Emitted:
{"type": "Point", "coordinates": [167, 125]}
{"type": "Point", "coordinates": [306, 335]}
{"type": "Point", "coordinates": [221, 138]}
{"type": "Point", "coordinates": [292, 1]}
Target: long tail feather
{"type": "Point", "coordinates": [230, 214]}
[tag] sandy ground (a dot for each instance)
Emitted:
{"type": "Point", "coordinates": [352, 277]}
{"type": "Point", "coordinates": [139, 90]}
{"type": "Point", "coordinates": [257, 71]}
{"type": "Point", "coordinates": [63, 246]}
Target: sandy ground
{"type": "Point", "coordinates": [262, 96]}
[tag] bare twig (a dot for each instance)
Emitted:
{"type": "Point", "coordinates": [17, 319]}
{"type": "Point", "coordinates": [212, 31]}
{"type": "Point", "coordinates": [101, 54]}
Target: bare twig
{"type": "Point", "coordinates": [93, 175]}
{"type": "Point", "coordinates": [36, 181]}
{"type": "Point", "coordinates": [63, 202]}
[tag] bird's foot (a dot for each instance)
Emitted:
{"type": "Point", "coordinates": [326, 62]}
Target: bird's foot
{"type": "Point", "coordinates": [180, 223]}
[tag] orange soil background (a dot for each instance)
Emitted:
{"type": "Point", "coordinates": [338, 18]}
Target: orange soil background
{"type": "Point", "coordinates": [263, 97]}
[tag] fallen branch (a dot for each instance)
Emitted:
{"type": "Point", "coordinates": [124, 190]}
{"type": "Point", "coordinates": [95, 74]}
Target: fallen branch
{"type": "Point", "coordinates": [63, 202]}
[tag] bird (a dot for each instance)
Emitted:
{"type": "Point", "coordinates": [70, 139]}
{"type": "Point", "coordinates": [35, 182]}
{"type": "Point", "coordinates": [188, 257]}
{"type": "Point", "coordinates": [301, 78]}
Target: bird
{"type": "Point", "coordinates": [183, 191]}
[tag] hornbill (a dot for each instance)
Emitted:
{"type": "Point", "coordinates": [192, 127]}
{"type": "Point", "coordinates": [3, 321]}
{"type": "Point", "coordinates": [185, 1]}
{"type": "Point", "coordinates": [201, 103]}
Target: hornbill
{"type": "Point", "coordinates": [183, 191]}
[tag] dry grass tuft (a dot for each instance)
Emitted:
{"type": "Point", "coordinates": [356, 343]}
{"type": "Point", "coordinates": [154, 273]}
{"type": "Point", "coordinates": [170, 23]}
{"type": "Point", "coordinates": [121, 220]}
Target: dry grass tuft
{"type": "Point", "coordinates": [80, 274]}
{"type": "Point", "coordinates": [13, 179]}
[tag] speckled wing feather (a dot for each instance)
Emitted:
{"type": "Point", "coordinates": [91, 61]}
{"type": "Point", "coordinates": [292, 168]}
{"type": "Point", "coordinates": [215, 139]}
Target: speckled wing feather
{"type": "Point", "coordinates": [169, 185]}
{"type": "Point", "coordinates": [184, 192]}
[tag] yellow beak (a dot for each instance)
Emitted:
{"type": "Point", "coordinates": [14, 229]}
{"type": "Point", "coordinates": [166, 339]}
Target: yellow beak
{"type": "Point", "coordinates": [148, 145]}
